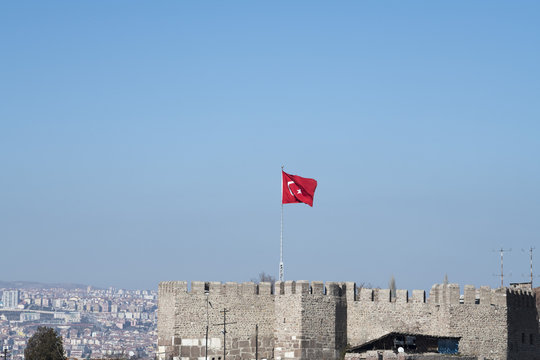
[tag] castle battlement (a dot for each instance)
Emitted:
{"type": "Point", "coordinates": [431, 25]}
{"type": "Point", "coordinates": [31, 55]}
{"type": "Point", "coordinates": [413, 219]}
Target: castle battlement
{"type": "Point", "coordinates": [298, 320]}
{"type": "Point", "coordinates": [250, 288]}
{"type": "Point", "coordinates": [438, 294]}
{"type": "Point", "coordinates": [521, 298]}
{"type": "Point", "coordinates": [215, 288]}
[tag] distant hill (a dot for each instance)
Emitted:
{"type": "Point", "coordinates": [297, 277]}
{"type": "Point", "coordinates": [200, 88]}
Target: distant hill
{"type": "Point", "coordinates": [38, 285]}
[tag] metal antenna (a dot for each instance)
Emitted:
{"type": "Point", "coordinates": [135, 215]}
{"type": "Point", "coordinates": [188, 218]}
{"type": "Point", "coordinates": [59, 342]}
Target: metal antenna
{"type": "Point", "coordinates": [531, 258]}
{"type": "Point", "coordinates": [502, 251]}
{"type": "Point", "coordinates": [532, 276]}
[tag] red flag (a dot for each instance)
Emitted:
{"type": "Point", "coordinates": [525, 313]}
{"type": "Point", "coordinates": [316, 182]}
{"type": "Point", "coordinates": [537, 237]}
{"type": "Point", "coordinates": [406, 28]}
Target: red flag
{"type": "Point", "coordinates": [296, 189]}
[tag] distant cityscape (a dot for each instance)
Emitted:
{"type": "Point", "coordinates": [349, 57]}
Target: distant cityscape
{"type": "Point", "coordinates": [94, 323]}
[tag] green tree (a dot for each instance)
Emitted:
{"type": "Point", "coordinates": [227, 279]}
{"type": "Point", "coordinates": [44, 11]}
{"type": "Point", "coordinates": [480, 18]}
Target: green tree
{"type": "Point", "coordinates": [45, 344]}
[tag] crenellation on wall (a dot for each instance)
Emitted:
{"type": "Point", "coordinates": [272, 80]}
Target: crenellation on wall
{"type": "Point", "coordinates": [333, 288]}
{"type": "Point", "coordinates": [302, 287]}
{"type": "Point", "coordinates": [317, 287]}
{"type": "Point", "coordinates": [435, 294]}
{"type": "Point", "coordinates": [350, 291]}
{"type": "Point", "coordinates": [197, 287]}
{"type": "Point", "coordinates": [215, 287]}
{"type": "Point", "coordinates": [382, 295]}
{"type": "Point", "coordinates": [366, 294]}
{"type": "Point", "coordinates": [452, 293]}
{"type": "Point", "coordinates": [521, 298]}
{"type": "Point", "coordinates": [418, 296]}
{"type": "Point", "coordinates": [484, 295]}
{"type": "Point", "coordinates": [279, 288]}
{"type": "Point", "coordinates": [249, 288]}
{"type": "Point", "coordinates": [402, 296]}
{"type": "Point", "coordinates": [232, 289]}
{"type": "Point", "coordinates": [469, 295]}
{"type": "Point", "coordinates": [265, 288]}
{"type": "Point", "coordinates": [290, 287]}
{"type": "Point", "coordinates": [173, 286]}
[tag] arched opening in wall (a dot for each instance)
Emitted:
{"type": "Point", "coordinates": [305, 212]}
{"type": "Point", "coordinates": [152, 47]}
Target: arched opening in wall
{"type": "Point", "coordinates": [531, 339]}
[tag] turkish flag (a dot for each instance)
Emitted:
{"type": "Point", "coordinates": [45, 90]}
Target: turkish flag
{"type": "Point", "coordinates": [296, 189]}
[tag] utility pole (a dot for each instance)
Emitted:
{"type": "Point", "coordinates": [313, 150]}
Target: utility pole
{"type": "Point", "coordinates": [225, 323]}
{"type": "Point", "coordinates": [208, 303]}
{"type": "Point", "coordinates": [206, 342]}
{"type": "Point", "coordinates": [257, 342]}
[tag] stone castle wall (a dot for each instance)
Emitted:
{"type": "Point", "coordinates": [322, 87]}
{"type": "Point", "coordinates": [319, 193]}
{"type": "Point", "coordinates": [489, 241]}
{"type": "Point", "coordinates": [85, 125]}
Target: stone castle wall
{"type": "Point", "coordinates": [249, 306]}
{"type": "Point", "coordinates": [311, 321]}
{"type": "Point", "coordinates": [523, 339]}
{"type": "Point", "coordinates": [480, 319]}
{"type": "Point", "coordinates": [299, 320]}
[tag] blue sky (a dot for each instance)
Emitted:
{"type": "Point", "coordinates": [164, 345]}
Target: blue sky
{"type": "Point", "coordinates": [143, 141]}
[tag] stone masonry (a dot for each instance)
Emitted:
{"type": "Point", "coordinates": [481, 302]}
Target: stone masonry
{"type": "Point", "coordinates": [297, 320]}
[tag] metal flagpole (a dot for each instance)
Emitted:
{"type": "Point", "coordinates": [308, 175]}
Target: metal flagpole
{"type": "Point", "coordinates": [281, 235]}
{"type": "Point", "coordinates": [281, 248]}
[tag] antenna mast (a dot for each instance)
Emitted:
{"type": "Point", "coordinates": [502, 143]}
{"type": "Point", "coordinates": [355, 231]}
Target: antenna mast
{"type": "Point", "coordinates": [531, 252]}
{"type": "Point", "coordinates": [502, 251]}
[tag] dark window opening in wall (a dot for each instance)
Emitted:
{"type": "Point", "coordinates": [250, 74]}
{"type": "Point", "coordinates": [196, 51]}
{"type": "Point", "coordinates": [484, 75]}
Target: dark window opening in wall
{"type": "Point", "coordinates": [523, 338]}
{"type": "Point", "coordinates": [477, 301]}
{"type": "Point", "coordinates": [531, 337]}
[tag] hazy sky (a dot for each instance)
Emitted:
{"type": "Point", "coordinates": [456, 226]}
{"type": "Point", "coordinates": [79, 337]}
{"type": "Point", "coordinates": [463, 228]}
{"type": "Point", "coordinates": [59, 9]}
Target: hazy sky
{"type": "Point", "coordinates": [142, 141]}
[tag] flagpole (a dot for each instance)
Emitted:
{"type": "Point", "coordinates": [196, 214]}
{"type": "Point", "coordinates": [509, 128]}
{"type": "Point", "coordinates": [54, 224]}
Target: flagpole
{"type": "Point", "coordinates": [281, 234]}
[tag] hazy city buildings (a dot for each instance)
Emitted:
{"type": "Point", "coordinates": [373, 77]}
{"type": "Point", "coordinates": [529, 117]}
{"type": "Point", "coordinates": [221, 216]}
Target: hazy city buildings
{"type": "Point", "coordinates": [94, 323]}
{"type": "Point", "coordinates": [10, 299]}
